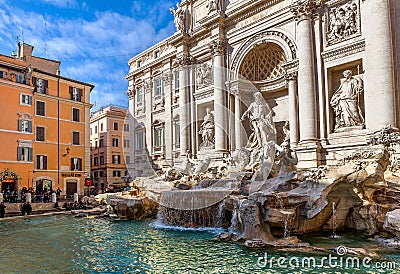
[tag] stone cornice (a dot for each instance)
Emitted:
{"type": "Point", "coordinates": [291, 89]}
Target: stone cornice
{"type": "Point", "coordinates": [155, 62]}
{"type": "Point", "coordinates": [343, 51]}
{"type": "Point", "coordinates": [204, 93]}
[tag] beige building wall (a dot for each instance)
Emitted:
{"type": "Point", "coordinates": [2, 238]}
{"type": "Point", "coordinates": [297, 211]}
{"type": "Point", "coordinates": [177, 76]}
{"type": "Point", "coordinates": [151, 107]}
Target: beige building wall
{"type": "Point", "coordinates": [110, 145]}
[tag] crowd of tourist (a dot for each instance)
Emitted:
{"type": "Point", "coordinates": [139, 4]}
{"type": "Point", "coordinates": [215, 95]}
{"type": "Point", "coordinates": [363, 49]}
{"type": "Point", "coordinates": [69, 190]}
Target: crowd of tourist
{"type": "Point", "coordinates": [38, 195]}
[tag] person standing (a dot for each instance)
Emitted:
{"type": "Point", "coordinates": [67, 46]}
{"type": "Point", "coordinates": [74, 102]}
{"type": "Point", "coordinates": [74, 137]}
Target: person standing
{"type": "Point", "coordinates": [2, 209]}
{"type": "Point", "coordinates": [28, 208]}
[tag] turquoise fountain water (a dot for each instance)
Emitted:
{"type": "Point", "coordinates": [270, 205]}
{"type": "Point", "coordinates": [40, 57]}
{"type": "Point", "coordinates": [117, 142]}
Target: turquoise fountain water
{"type": "Point", "coordinates": [73, 245]}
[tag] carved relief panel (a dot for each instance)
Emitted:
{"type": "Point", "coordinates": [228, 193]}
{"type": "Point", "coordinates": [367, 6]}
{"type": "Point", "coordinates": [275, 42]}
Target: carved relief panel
{"type": "Point", "coordinates": [204, 75]}
{"type": "Point", "coordinates": [342, 21]}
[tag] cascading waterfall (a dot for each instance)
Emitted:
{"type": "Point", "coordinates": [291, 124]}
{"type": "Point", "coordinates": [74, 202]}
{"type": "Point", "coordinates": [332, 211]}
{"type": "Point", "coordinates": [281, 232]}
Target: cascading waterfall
{"type": "Point", "coordinates": [235, 220]}
{"type": "Point", "coordinates": [220, 214]}
{"type": "Point", "coordinates": [285, 219]}
{"type": "Point", "coordinates": [334, 222]}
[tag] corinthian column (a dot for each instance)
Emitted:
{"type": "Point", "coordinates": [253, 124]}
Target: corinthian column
{"type": "Point", "coordinates": [378, 64]}
{"type": "Point", "coordinates": [220, 110]}
{"type": "Point", "coordinates": [303, 11]}
{"type": "Point", "coordinates": [184, 105]}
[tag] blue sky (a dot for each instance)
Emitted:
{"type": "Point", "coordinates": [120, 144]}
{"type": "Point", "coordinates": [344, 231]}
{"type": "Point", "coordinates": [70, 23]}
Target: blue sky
{"type": "Point", "coordinates": [93, 39]}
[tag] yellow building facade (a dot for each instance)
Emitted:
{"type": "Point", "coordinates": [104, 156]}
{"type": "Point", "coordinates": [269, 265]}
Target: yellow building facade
{"type": "Point", "coordinates": [44, 132]}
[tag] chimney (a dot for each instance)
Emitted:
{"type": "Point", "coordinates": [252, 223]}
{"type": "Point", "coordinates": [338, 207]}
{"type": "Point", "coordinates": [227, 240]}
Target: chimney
{"type": "Point", "coordinates": [20, 52]}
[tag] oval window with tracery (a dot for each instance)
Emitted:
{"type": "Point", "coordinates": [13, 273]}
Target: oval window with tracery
{"type": "Point", "coordinates": [263, 63]}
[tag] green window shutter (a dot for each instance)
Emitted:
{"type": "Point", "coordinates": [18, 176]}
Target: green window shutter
{"type": "Point", "coordinates": [80, 95]}
{"type": "Point", "coordinates": [71, 93]}
{"type": "Point", "coordinates": [30, 126]}
{"type": "Point", "coordinates": [30, 154]}
{"type": "Point", "coordinates": [44, 162]}
{"type": "Point", "coordinates": [19, 125]}
{"type": "Point", "coordinates": [30, 99]}
{"type": "Point", "coordinates": [19, 154]}
{"type": "Point", "coordinates": [34, 84]}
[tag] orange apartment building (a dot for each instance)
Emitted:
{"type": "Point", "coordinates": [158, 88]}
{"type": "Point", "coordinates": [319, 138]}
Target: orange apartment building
{"type": "Point", "coordinates": [109, 141]}
{"type": "Point", "coordinates": [44, 126]}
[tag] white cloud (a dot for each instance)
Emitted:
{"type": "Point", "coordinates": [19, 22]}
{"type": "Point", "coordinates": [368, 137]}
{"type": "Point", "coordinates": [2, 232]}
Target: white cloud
{"type": "Point", "coordinates": [61, 3]}
{"type": "Point", "coordinates": [94, 51]}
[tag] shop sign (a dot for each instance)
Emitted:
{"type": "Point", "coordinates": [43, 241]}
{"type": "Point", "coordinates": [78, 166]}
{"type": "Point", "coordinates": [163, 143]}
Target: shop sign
{"type": "Point", "coordinates": [71, 174]}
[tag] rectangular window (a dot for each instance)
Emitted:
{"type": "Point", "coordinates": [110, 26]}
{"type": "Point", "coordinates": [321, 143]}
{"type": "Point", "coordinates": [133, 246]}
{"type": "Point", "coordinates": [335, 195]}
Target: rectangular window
{"type": "Point", "coordinates": [101, 127]}
{"type": "Point", "coordinates": [76, 164]}
{"type": "Point", "coordinates": [157, 88]}
{"type": "Point", "coordinates": [126, 143]}
{"type": "Point", "coordinates": [115, 126]}
{"type": "Point", "coordinates": [76, 138]}
{"type": "Point", "coordinates": [26, 99]}
{"type": "Point", "coordinates": [156, 54]}
{"type": "Point", "coordinates": [96, 161]}
{"type": "Point", "coordinates": [126, 127]}
{"type": "Point", "coordinates": [115, 142]}
{"type": "Point", "coordinates": [95, 174]}
{"type": "Point", "coordinates": [19, 78]}
{"type": "Point", "coordinates": [116, 159]}
{"type": "Point", "coordinates": [177, 134]}
{"type": "Point", "coordinates": [40, 134]}
{"type": "Point", "coordinates": [102, 173]}
{"type": "Point", "coordinates": [177, 81]}
{"type": "Point", "coordinates": [25, 126]}
{"type": "Point", "coordinates": [116, 173]}
{"type": "Point", "coordinates": [127, 159]}
{"type": "Point", "coordinates": [40, 108]}
{"type": "Point", "coordinates": [101, 159]}
{"type": "Point", "coordinates": [95, 129]}
{"type": "Point", "coordinates": [41, 85]}
{"type": "Point", "coordinates": [75, 94]}
{"type": "Point", "coordinates": [158, 137]}
{"type": "Point", "coordinates": [24, 154]}
{"type": "Point", "coordinates": [139, 97]}
{"type": "Point", "coordinates": [76, 112]}
{"type": "Point", "coordinates": [139, 140]}
{"type": "Point", "coordinates": [2, 74]}
{"type": "Point", "coordinates": [101, 143]}
{"type": "Point", "coordinates": [41, 162]}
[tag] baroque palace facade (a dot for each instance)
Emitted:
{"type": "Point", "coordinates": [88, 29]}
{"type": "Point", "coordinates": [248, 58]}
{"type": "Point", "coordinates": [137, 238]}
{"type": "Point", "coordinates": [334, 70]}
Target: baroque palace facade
{"type": "Point", "coordinates": [328, 68]}
{"type": "Point", "coordinates": [44, 126]}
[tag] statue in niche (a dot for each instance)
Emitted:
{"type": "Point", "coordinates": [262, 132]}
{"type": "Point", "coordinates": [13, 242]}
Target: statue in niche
{"type": "Point", "coordinates": [342, 22]}
{"type": "Point", "coordinates": [179, 18]}
{"type": "Point", "coordinates": [203, 76]}
{"type": "Point", "coordinates": [259, 143]}
{"type": "Point", "coordinates": [345, 102]}
{"type": "Point", "coordinates": [213, 5]}
{"type": "Point", "coordinates": [207, 131]}
{"type": "Point", "coordinates": [258, 113]}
